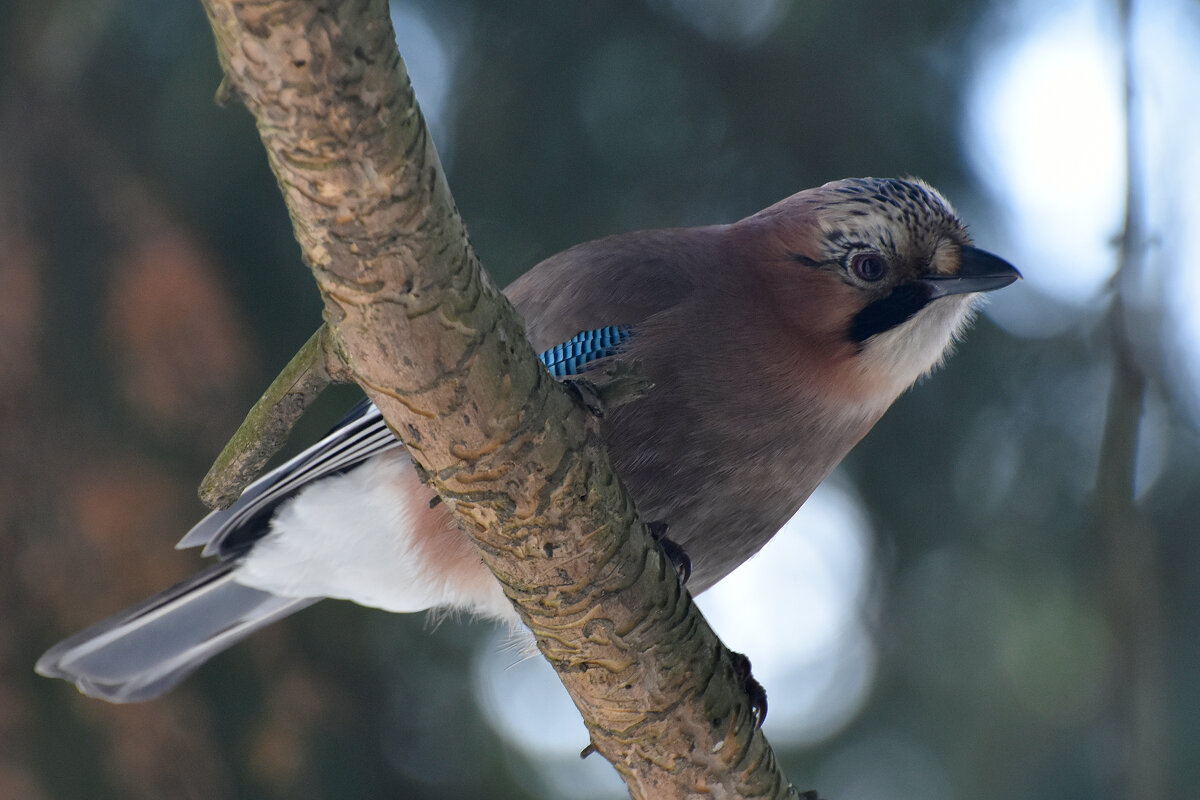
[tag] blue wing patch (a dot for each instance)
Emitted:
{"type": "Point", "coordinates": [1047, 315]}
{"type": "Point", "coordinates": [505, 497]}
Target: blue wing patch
{"type": "Point", "coordinates": [573, 356]}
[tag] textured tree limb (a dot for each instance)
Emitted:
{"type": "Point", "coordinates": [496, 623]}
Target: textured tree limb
{"type": "Point", "coordinates": [272, 418]}
{"type": "Point", "coordinates": [422, 328]}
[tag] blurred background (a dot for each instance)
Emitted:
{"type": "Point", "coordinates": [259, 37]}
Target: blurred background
{"type": "Point", "coordinates": [994, 597]}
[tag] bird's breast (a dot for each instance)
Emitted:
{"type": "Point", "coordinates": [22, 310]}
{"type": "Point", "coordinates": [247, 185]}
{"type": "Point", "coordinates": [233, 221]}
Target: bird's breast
{"type": "Point", "coordinates": [725, 456]}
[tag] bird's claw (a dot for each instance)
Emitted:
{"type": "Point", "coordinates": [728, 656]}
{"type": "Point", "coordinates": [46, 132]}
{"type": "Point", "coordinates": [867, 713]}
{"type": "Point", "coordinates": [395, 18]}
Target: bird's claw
{"type": "Point", "coordinates": [755, 690]}
{"type": "Point", "coordinates": [675, 553]}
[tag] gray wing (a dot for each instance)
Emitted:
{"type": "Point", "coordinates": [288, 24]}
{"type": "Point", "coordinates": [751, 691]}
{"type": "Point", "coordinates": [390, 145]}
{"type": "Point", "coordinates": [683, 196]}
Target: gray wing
{"type": "Point", "coordinates": [362, 433]}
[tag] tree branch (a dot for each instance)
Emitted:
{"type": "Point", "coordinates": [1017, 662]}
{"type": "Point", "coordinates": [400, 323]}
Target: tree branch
{"type": "Point", "coordinates": [437, 347]}
{"type": "Point", "coordinates": [272, 418]}
{"type": "Point", "coordinates": [1133, 577]}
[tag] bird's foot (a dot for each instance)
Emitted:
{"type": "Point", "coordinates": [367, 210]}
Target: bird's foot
{"type": "Point", "coordinates": [758, 695]}
{"type": "Point", "coordinates": [677, 555]}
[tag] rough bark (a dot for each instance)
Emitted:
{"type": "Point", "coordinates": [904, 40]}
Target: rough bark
{"type": "Point", "coordinates": [425, 332]}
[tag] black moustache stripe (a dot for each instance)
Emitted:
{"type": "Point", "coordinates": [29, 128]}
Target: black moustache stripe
{"type": "Point", "coordinates": [887, 312]}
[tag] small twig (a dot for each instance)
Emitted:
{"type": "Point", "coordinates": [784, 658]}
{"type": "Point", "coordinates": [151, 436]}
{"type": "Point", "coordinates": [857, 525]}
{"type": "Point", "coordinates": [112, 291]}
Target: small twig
{"type": "Point", "coordinates": [272, 418]}
{"type": "Point", "coordinates": [1133, 577]}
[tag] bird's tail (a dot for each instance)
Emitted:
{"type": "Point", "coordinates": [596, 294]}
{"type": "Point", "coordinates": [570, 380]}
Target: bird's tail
{"type": "Point", "coordinates": [145, 650]}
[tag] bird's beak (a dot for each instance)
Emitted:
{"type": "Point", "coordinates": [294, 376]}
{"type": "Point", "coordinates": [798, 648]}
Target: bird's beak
{"type": "Point", "coordinates": [980, 272]}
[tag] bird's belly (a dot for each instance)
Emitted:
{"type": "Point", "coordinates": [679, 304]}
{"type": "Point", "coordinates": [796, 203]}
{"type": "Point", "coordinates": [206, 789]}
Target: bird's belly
{"type": "Point", "coordinates": [724, 523]}
{"type": "Point", "coordinates": [721, 498]}
{"type": "Point", "coordinates": [370, 536]}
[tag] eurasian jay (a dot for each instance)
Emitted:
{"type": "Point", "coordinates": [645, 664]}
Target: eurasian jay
{"type": "Point", "coordinates": [771, 346]}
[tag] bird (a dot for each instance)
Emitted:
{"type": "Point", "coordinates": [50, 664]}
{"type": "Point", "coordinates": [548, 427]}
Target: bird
{"type": "Point", "coordinates": [768, 348]}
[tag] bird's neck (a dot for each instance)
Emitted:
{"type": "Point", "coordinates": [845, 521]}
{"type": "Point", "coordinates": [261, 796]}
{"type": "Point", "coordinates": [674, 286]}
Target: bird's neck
{"type": "Point", "coordinates": [900, 357]}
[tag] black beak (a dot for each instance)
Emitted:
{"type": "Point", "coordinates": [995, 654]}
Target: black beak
{"type": "Point", "coordinates": [980, 272]}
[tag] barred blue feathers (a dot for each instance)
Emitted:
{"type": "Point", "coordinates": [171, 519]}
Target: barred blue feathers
{"type": "Point", "coordinates": [573, 356]}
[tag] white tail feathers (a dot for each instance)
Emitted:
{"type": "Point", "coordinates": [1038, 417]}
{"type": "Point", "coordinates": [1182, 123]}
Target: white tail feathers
{"type": "Point", "coordinates": [371, 536]}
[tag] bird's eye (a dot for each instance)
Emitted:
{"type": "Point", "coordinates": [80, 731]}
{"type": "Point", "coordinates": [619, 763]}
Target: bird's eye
{"type": "Point", "coordinates": [869, 266]}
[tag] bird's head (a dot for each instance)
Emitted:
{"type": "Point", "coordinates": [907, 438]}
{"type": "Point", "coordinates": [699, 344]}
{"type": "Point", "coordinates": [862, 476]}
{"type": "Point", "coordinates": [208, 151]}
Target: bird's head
{"type": "Point", "coordinates": [878, 275]}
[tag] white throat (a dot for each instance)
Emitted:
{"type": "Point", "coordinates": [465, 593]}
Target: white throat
{"type": "Point", "coordinates": [918, 346]}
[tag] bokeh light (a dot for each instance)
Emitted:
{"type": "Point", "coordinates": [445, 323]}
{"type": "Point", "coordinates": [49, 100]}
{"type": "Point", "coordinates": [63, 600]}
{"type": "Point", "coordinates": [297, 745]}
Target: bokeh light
{"type": "Point", "coordinates": [1045, 130]}
{"type": "Point", "coordinates": [733, 22]}
{"type": "Point", "coordinates": [798, 609]}
{"type": "Point", "coordinates": [430, 59]}
{"type": "Point", "coordinates": [1046, 133]}
{"type": "Point", "coordinates": [524, 701]}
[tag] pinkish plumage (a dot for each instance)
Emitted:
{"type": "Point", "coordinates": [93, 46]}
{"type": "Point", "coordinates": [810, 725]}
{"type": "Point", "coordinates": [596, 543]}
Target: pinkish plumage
{"type": "Point", "coordinates": [773, 344]}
